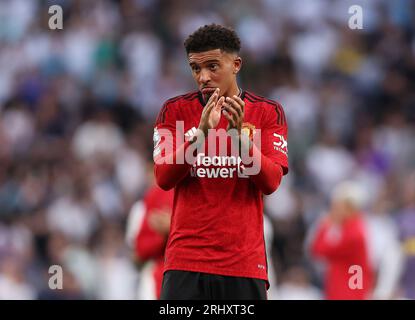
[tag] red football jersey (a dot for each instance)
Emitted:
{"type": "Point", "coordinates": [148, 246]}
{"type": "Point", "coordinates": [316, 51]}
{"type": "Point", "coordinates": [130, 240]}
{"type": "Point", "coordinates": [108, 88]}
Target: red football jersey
{"type": "Point", "coordinates": [217, 219]}
{"type": "Point", "coordinates": [344, 247]}
{"type": "Point", "coordinates": [149, 244]}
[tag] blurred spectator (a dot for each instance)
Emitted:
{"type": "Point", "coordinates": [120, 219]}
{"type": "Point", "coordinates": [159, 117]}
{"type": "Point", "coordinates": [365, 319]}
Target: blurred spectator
{"type": "Point", "coordinates": [97, 137]}
{"type": "Point", "coordinates": [341, 240]}
{"type": "Point", "coordinates": [117, 278]}
{"type": "Point", "coordinates": [70, 291]}
{"type": "Point", "coordinates": [337, 162]}
{"type": "Point", "coordinates": [13, 284]}
{"type": "Point", "coordinates": [406, 224]}
{"type": "Point", "coordinates": [385, 249]}
{"type": "Point", "coordinates": [269, 239]}
{"type": "Point", "coordinates": [148, 229]}
{"type": "Point", "coordinates": [296, 285]}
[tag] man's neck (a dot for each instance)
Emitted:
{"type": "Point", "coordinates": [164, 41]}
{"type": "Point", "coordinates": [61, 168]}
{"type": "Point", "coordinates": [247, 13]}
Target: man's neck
{"type": "Point", "coordinates": [233, 91]}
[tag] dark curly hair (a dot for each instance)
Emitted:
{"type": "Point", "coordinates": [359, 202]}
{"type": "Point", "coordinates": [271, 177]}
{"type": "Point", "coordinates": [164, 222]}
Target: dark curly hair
{"type": "Point", "coordinates": [213, 36]}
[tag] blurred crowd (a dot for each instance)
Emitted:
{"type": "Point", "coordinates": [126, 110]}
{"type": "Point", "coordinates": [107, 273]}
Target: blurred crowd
{"type": "Point", "coordinates": [77, 107]}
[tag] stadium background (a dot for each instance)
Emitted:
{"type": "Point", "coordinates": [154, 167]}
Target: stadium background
{"type": "Point", "coordinates": [77, 108]}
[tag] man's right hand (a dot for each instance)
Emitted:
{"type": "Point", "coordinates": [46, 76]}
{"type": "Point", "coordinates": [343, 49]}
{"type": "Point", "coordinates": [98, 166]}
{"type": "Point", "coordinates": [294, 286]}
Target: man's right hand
{"type": "Point", "coordinates": [211, 113]}
{"type": "Point", "coordinates": [159, 221]}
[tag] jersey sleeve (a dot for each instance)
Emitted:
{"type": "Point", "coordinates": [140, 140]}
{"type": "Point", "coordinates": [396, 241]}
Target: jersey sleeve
{"type": "Point", "coordinates": [272, 153]}
{"type": "Point", "coordinates": [164, 136]}
{"type": "Point", "coordinates": [169, 165]}
{"type": "Point", "coordinates": [274, 138]}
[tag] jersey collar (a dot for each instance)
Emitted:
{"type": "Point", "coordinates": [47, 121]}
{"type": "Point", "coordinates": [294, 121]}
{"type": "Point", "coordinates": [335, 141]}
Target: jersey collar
{"type": "Point", "coordinates": [202, 102]}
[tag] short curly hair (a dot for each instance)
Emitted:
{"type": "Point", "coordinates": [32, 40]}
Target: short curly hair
{"type": "Point", "coordinates": [213, 36]}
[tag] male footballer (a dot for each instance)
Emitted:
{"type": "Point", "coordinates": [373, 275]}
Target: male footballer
{"type": "Point", "coordinates": [216, 248]}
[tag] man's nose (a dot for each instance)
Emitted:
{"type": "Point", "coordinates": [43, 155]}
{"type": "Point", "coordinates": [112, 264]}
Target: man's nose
{"type": "Point", "coordinates": [204, 76]}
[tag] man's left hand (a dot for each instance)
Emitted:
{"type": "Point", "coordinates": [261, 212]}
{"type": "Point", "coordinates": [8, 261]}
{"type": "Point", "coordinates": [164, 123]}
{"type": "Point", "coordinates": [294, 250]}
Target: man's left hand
{"type": "Point", "coordinates": [234, 112]}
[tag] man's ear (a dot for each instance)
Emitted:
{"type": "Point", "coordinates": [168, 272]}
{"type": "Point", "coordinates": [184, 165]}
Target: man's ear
{"type": "Point", "coordinates": [237, 64]}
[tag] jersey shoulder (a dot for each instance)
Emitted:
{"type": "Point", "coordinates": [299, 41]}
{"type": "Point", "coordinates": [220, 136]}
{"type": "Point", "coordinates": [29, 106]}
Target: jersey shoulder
{"type": "Point", "coordinates": [175, 103]}
{"type": "Point", "coordinates": [269, 106]}
{"type": "Point", "coordinates": [178, 100]}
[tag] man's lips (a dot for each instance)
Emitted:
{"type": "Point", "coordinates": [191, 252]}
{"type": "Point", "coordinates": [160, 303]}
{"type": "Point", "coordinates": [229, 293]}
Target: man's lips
{"type": "Point", "coordinates": [208, 90]}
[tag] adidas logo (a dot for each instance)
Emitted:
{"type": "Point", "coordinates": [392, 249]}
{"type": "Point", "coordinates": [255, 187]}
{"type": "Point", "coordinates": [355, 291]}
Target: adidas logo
{"type": "Point", "coordinates": [190, 133]}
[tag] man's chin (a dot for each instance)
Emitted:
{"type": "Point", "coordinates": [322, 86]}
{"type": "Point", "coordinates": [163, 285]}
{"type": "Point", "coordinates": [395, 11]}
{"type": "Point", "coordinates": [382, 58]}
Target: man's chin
{"type": "Point", "coordinates": [206, 96]}
{"type": "Point", "coordinates": [207, 93]}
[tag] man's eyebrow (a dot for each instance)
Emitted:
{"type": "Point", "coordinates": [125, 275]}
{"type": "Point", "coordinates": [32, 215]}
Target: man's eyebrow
{"type": "Point", "coordinates": [212, 60]}
{"type": "Point", "coordinates": [204, 62]}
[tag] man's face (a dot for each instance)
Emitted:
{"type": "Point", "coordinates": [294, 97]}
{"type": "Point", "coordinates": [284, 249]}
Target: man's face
{"type": "Point", "coordinates": [341, 210]}
{"type": "Point", "coordinates": [214, 69]}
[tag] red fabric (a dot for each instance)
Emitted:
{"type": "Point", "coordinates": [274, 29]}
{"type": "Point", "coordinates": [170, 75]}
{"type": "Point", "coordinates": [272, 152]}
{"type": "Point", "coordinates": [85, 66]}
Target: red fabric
{"type": "Point", "coordinates": [149, 244]}
{"type": "Point", "coordinates": [168, 175]}
{"type": "Point", "coordinates": [158, 276]}
{"type": "Point", "coordinates": [342, 248]}
{"type": "Point", "coordinates": [217, 222]}
{"type": "Point", "coordinates": [269, 178]}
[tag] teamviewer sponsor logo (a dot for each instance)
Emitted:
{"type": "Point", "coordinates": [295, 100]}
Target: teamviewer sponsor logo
{"type": "Point", "coordinates": [217, 167]}
{"type": "Point", "coordinates": [221, 145]}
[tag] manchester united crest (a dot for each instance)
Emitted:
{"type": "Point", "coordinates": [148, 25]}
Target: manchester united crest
{"type": "Point", "coordinates": [248, 129]}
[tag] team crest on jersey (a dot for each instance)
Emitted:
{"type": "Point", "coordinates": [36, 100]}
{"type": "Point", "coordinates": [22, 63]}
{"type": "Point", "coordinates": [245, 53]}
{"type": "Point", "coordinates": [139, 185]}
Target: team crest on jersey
{"type": "Point", "coordinates": [248, 129]}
